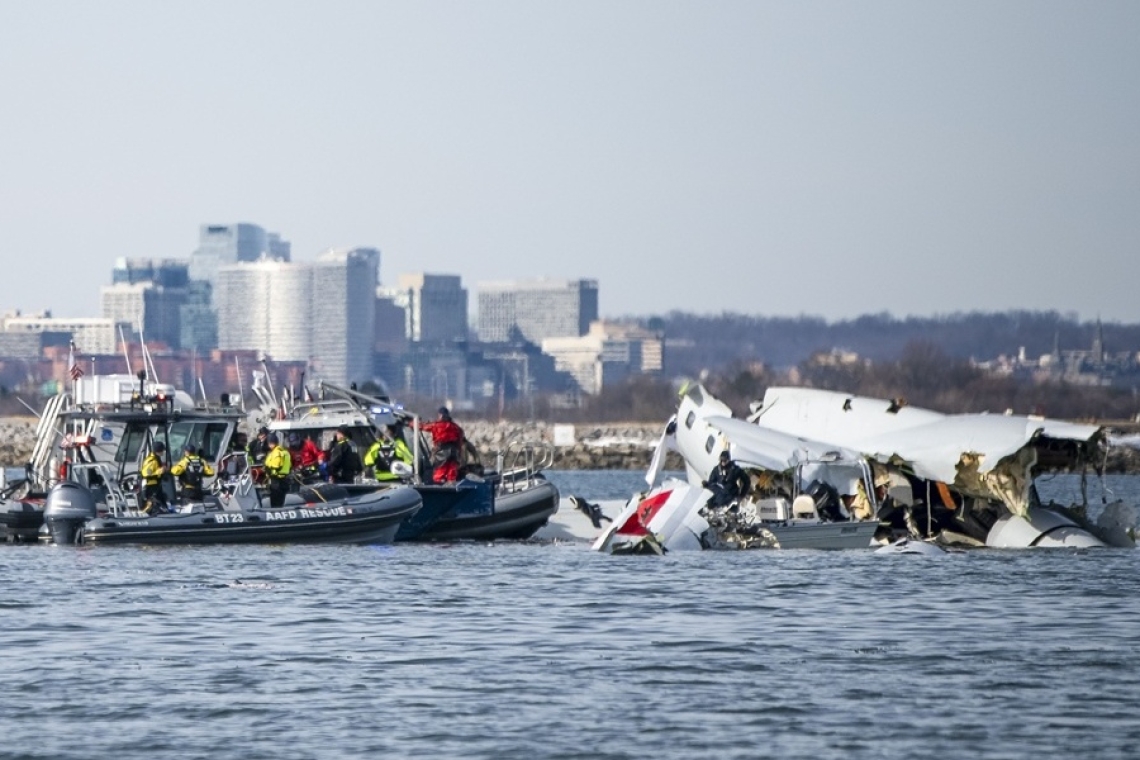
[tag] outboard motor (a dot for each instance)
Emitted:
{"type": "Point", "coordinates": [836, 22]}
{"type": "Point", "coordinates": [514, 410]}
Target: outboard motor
{"type": "Point", "coordinates": [67, 509]}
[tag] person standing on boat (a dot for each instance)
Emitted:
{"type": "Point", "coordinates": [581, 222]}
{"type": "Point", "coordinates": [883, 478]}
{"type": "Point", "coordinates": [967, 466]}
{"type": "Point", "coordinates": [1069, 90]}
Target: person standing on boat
{"type": "Point", "coordinates": [447, 442]}
{"type": "Point", "coordinates": [728, 482]}
{"type": "Point", "coordinates": [277, 467]}
{"type": "Point", "coordinates": [190, 471]}
{"type": "Point", "coordinates": [384, 452]}
{"type": "Point", "coordinates": [259, 447]}
{"type": "Point", "coordinates": [306, 457]}
{"type": "Point", "coordinates": [152, 471]}
{"type": "Point", "coordinates": [343, 461]}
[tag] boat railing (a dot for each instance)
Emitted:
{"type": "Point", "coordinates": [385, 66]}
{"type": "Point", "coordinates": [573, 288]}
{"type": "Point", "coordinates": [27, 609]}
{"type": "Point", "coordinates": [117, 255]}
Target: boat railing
{"type": "Point", "coordinates": [46, 434]}
{"type": "Point", "coordinates": [520, 464]}
{"type": "Point", "coordinates": [121, 497]}
{"type": "Point", "coordinates": [236, 478]}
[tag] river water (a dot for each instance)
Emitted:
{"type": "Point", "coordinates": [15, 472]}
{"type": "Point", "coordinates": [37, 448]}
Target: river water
{"type": "Point", "coordinates": [528, 650]}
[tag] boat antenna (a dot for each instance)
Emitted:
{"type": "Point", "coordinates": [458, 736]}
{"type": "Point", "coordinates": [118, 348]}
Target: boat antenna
{"type": "Point", "coordinates": [148, 362]}
{"type": "Point", "coordinates": [241, 391]}
{"type": "Point", "coordinates": [197, 373]}
{"type": "Point", "coordinates": [269, 379]}
{"type": "Point", "coordinates": [126, 353]}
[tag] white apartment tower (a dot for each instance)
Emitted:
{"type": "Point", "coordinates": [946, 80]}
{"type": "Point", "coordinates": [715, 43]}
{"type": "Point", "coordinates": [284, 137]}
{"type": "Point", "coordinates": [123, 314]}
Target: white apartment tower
{"type": "Point", "coordinates": [321, 312]}
{"type": "Point", "coordinates": [537, 309]}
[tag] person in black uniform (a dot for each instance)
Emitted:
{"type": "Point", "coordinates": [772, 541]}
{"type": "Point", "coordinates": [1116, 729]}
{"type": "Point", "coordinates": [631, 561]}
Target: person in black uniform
{"type": "Point", "coordinates": [728, 482]}
{"type": "Point", "coordinates": [344, 463]}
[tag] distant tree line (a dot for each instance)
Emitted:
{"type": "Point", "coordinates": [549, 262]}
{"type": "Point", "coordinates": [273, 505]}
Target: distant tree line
{"type": "Point", "coordinates": [924, 375]}
{"type": "Point", "coordinates": [696, 343]}
{"type": "Point", "coordinates": [925, 361]}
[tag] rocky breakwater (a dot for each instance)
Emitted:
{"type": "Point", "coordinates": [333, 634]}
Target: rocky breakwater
{"type": "Point", "coordinates": [611, 446]}
{"type": "Point", "coordinates": [17, 437]}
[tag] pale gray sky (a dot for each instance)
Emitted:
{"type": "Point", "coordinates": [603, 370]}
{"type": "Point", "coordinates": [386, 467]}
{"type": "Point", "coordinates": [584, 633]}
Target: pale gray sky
{"type": "Point", "coordinates": [825, 158]}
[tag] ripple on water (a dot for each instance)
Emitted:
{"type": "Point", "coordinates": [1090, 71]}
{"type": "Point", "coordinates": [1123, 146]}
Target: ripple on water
{"type": "Point", "coordinates": [529, 650]}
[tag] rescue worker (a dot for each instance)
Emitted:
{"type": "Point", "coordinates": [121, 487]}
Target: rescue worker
{"type": "Point", "coordinates": [447, 442]}
{"type": "Point", "coordinates": [727, 481]}
{"type": "Point", "coordinates": [384, 451]}
{"type": "Point", "coordinates": [259, 447]}
{"type": "Point", "coordinates": [190, 470]}
{"type": "Point", "coordinates": [306, 458]}
{"type": "Point", "coordinates": [152, 471]}
{"type": "Point", "coordinates": [343, 461]}
{"type": "Point", "coordinates": [277, 466]}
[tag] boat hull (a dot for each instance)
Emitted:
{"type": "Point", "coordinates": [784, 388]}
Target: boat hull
{"type": "Point", "coordinates": [367, 519]}
{"type": "Point", "coordinates": [20, 521]}
{"type": "Point", "coordinates": [516, 515]}
{"type": "Point", "coordinates": [828, 536]}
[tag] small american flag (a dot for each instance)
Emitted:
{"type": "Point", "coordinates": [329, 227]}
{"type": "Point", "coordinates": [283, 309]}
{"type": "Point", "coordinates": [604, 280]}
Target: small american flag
{"type": "Point", "coordinates": [74, 369]}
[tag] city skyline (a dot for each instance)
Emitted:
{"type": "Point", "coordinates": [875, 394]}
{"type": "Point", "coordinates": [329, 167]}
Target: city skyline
{"type": "Point", "coordinates": [755, 157]}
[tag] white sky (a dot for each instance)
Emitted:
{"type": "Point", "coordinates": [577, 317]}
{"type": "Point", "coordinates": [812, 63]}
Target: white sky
{"type": "Point", "coordinates": [824, 158]}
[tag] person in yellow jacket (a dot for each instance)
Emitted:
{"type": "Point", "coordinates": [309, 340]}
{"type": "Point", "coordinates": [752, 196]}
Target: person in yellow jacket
{"type": "Point", "coordinates": [278, 464]}
{"type": "Point", "coordinates": [384, 452]}
{"type": "Point", "coordinates": [190, 471]}
{"type": "Point", "coordinates": [151, 472]}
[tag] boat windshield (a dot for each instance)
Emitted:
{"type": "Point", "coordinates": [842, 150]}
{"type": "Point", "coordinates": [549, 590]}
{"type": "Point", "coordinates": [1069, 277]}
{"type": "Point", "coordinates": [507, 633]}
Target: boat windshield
{"type": "Point", "coordinates": [130, 444]}
{"type": "Point", "coordinates": [207, 437]}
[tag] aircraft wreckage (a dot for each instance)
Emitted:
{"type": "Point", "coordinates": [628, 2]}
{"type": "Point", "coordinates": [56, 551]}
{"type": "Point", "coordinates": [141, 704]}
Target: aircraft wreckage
{"type": "Point", "coordinates": [830, 470]}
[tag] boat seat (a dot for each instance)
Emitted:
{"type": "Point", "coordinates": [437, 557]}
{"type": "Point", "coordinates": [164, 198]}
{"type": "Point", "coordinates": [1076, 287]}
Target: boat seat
{"type": "Point", "coordinates": [803, 508]}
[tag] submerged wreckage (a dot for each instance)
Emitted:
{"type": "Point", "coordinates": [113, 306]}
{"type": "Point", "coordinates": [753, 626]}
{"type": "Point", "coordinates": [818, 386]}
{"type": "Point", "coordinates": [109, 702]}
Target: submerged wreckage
{"type": "Point", "coordinates": [830, 470]}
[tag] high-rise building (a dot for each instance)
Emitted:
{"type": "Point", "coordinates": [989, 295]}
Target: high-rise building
{"type": "Point", "coordinates": [536, 309]}
{"type": "Point", "coordinates": [91, 335]}
{"type": "Point", "coordinates": [391, 317]}
{"type": "Point", "coordinates": [169, 273]}
{"type": "Point", "coordinates": [606, 354]}
{"type": "Point", "coordinates": [344, 313]}
{"type": "Point", "coordinates": [435, 304]}
{"type": "Point", "coordinates": [199, 322]}
{"type": "Point", "coordinates": [146, 296]}
{"type": "Point", "coordinates": [223, 244]}
{"type": "Point", "coordinates": [245, 309]}
{"type": "Point", "coordinates": [321, 312]}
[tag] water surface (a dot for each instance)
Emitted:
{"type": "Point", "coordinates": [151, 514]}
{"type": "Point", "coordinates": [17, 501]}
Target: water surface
{"type": "Point", "coordinates": [523, 650]}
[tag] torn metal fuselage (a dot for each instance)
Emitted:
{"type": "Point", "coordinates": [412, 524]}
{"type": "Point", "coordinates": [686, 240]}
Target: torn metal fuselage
{"type": "Point", "coordinates": [966, 478]}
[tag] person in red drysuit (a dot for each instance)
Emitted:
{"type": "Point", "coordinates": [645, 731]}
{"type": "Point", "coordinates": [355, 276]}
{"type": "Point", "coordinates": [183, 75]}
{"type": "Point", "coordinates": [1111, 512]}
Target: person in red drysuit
{"type": "Point", "coordinates": [447, 443]}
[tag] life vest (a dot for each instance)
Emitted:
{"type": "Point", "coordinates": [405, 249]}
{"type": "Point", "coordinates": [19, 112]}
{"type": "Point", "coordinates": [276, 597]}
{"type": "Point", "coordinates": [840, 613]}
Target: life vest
{"type": "Point", "coordinates": [191, 475]}
{"type": "Point", "coordinates": [278, 463]}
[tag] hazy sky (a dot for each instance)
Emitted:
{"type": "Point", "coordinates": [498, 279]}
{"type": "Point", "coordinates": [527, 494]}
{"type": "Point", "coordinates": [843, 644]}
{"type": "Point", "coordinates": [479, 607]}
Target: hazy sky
{"type": "Point", "coordinates": [824, 158]}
